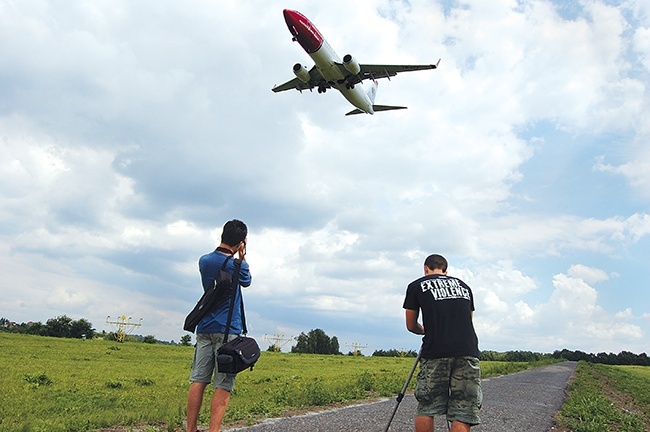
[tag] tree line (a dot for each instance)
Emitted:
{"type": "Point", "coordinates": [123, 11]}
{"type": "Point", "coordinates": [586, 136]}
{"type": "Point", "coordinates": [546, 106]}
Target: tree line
{"type": "Point", "coordinates": [394, 353]}
{"type": "Point", "coordinates": [316, 342]}
{"type": "Point", "coordinates": [514, 356]}
{"type": "Point", "coordinates": [61, 326]}
{"type": "Point", "coordinates": [622, 358]}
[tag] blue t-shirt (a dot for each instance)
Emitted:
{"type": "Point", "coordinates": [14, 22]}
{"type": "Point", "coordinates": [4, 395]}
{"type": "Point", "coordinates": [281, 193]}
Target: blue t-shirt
{"type": "Point", "coordinates": [215, 320]}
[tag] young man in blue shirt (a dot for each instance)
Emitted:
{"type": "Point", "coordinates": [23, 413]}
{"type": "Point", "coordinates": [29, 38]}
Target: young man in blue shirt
{"type": "Point", "coordinates": [211, 329]}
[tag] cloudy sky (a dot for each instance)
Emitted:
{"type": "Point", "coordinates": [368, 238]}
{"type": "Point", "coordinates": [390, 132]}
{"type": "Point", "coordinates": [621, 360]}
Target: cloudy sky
{"type": "Point", "coordinates": [131, 131]}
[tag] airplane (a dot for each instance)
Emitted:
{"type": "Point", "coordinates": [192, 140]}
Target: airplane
{"type": "Point", "coordinates": [330, 72]}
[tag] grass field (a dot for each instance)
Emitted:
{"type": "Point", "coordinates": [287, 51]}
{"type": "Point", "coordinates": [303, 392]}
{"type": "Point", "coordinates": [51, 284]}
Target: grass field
{"type": "Point", "coordinates": [608, 398]}
{"type": "Point", "coordinates": [51, 384]}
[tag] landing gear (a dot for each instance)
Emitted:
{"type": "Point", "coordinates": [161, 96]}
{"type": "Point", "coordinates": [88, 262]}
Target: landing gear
{"type": "Point", "coordinates": [322, 89]}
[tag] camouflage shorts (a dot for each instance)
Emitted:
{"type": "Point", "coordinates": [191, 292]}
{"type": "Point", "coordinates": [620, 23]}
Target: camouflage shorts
{"type": "Point", "coordinates": [450, 386]}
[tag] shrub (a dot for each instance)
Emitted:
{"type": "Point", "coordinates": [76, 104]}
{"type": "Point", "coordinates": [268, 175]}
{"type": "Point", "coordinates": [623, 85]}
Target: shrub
{"type": "Point", "coordinates": [38, 380]}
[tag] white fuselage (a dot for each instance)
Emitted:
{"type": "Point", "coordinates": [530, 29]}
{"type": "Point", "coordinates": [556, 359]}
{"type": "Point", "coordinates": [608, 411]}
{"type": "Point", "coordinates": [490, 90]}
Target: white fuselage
{"type": "Point", "coordinates": [325, 59]}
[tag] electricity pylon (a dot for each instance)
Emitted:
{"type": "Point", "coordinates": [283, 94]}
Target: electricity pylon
{"type": "Point", "coordinates": [278, 341]}
{"type": "Point", "coordinates": [123, 326]}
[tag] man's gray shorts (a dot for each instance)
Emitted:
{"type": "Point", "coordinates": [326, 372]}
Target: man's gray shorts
{"type": "Point", "coordinates": [205, 361]}
{"type": "Point", "coordinates": [450, 386]}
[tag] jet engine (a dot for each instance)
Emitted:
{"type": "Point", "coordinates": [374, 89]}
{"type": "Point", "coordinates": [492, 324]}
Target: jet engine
{"type": "Point", "coordinates": [351, 65]}
{"type": "Point", "coordinates": [301, 72]}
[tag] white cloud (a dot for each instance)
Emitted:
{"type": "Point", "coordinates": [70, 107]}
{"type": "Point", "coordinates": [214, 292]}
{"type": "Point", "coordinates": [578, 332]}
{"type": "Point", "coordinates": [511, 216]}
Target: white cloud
{"type": "Point", "coordinates": [556, 235]}
{"type": "Point", "coordinates": [570, 316]}
{"type": "Point", "coordinates": [572, 298]}
{"type": "Point", "coordinates": [635, 171]}
{"type": "Point", "coordinates": [588, 274]}
{"type": "Point", "coordinates": [642, 45]}
{"type": "Point", "coordinates": [627, 313]}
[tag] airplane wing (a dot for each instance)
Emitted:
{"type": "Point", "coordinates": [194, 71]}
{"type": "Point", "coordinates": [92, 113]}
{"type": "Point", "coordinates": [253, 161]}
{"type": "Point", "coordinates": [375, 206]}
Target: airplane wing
{"type": "Point", "coordinates": [383, 71]}
{"type": "Point", "coordinates": [367, 72]}
{"type": "Point", "coordinates": [315, 80]}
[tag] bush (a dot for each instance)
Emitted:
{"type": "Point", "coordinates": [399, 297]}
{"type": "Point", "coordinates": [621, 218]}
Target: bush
{"type": "Point", "coordinates": [38, 380]}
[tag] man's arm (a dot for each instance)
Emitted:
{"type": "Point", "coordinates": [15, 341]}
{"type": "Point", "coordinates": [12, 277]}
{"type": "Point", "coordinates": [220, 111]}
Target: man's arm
{"type": "Point", "coordinates": [412, 323]}
{"type": "Point", "coordinates": [244, 273]}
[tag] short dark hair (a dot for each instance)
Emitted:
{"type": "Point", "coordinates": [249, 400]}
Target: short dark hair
{"type": "Point", "coordinates": [234, 232]}
{"type": "Point", "coordinates": [436, 261]}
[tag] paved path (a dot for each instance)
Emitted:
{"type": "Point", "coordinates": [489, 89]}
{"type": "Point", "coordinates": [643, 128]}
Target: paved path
{"type": "Point", "coordinates": [524, 401]}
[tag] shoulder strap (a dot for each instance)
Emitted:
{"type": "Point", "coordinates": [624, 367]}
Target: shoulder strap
{"type": "Point", "coordinates": [223, 266]}
{"type": "Point", "coordinates": [235, 284]}
{"type": "Point", "coordinates": [243, 315]}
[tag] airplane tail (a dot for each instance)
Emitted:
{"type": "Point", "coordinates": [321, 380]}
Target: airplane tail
{"type": "Point", "coordinates": [372, 92]}
{"type": "Point", "coordinates": [376, 108]}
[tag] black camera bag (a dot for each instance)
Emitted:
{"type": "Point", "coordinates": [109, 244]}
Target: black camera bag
{"type": "Point", "coordinates": [238, 354]}
{"type": "Point", "coordinates": [242, 352]}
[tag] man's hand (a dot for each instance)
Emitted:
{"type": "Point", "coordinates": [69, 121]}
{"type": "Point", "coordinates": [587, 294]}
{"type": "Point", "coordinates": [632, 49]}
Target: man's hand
{"type": "Point", "coordinates": [242, 250]}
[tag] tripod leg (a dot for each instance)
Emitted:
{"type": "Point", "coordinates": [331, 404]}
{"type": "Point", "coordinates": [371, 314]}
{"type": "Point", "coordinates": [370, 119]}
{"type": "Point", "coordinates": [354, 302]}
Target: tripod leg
{"type": "Point", "coordinates": [400, 396]}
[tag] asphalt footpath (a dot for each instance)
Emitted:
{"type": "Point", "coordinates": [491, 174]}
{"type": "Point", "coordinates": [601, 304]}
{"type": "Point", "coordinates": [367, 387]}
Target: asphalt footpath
{"type": "Point", "coordinates": [524, 401]}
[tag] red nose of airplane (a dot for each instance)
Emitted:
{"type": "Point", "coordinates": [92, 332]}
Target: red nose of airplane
{"type": "Point", "coordinates": [289, 15]}
{"type": "Point", "coordinates": [303, 30]}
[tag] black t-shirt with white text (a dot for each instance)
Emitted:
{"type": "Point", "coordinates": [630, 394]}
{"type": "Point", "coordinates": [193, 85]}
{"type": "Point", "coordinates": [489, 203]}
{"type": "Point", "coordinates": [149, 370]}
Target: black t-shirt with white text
{"type": "Point", "coordinates": [447, 304]}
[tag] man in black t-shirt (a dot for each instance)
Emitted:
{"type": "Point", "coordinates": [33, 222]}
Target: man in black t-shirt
{"type": "Point", "coordinates": [449, 380]}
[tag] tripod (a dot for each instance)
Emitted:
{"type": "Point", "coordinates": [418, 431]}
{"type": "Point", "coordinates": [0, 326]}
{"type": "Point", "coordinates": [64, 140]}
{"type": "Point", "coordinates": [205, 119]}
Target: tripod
{"type": "Point", "coordinates": [400, 396]}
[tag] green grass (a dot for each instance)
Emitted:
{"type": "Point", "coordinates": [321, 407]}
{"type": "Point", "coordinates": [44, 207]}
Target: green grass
{"type": "Point", "coordinates": [634, 380]}
{"type": "Point", "coordinates": [608, 398]}
{"type": "Point", "coordinates": [50, 384]}
{"type": "Point", "coordinates": [53, 384]}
